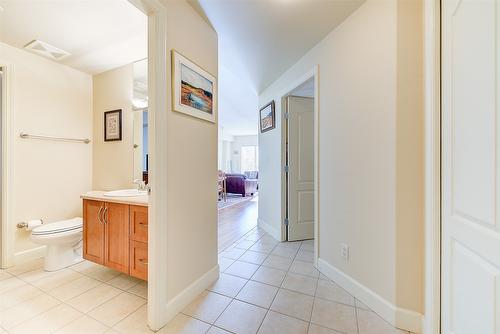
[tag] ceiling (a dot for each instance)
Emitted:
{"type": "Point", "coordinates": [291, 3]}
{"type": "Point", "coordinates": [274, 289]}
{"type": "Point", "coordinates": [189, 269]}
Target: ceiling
{"type": "Point", "coordinates": [99, 34]}
{"type": "Point", "coordinates": [261, 39]}
{"type": "Point", "coordinates": [258, 42]}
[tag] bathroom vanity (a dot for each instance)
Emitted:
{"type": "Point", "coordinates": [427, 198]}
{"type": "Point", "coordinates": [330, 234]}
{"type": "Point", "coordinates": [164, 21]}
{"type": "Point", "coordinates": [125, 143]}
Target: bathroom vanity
{"type": "Point", "coordinates": [115, 232]}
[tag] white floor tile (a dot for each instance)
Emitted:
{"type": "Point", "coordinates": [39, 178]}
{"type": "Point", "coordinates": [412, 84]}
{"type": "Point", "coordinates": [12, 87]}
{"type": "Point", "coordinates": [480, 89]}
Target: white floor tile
{"type": "Point", "coordinates": [241, 318]}
{"type": "Point", "coordinates": [11, 284]}
{"type": "Point", "coordinates": [14, 316]}
{"type": "Point", "coordinates": [74, 288]}
{"type": "Point", "coordinates": [94, 297]}
{"type": "Point", "coordinates": [262, 247]}
{"type": "Point", "coordinates": [25, 267]}
{"type": "Point", "coordinates": [269, 276]}
{"type": "Point", "coordinates": [207, 307]}
{"type": "Point", "coordinates": [306, 256]}
{"type": "Point", "coordinates": [233, 253]}
{"type": "Point", "coordinates": [216, 330]}
{"type": "Point", "coordinates": [285, 252]}
{"type": "Point", "coordinates": [117, 309]}
{"type": "Point", "coordinates": [335, 316]}
{"type": "Point", "coordinates": [244, 244]}
{"type": "Point", "coordinates": [83, 325]}
{"type": "Point", "coordinates": [300, 283]}
{"type": "Point", "coordinates": [371, 323]}
{"type": "Point", "coordinates": [331, 291]}
{"type": "Point", "coordinates": [183, 324]}
{"type": "Point", "coordinates": [258, 294]}
{"type": "Point", "coordinates": [16, 296]}
{"type": "Point", "coordinates": [277, 262]}
{"type": "Point", "coordinates": [123, 282]}
{"type": "Point", "coordinates": [57, 279]}
{"type": "Point", "coordinates": [304, 268]}
{"type": "Point", "coordinates": [224, 263]}
{"type": "Point", "coordinates": [253, 257]}
{"type": "Point", "coordinates": [242, 269]}
{"type": "Point", "coordinates": [293, 304]}
{"type": "Point", "coordinates": [362, 306]}
{"type": "Point", "coordinates": [315, 329]}
{"type": "Point", "coordinates": [228, 285]}
{"type": "Point", "coordinates": [140, 289]}
{"type": "Point", "coordinates": [48, 322]}
{"type": "Point", "coordinates": [276, 323]}
{"type": "Point", "coordinates": [4, 274]}
{"type": "Point", "coordinates": [136, 323]}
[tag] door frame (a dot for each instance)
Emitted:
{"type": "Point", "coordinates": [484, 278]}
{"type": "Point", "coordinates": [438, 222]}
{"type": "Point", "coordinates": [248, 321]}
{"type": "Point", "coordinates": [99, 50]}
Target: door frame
{"type": "Point", "coordinates": [7, 152]}
{"type": "Point", "coordinates": [158, 63]}
{"type": "Point", "coordinates": [312, 73]}
{"type": "Point", "coordinates": [432, 179]}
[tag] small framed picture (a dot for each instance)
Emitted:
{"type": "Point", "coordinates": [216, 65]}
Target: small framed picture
{"type": "Point", "coordinates": [113, 125]}
{"type": "Point", "coordinates": [194, 90]}
{"type": "Point", "coordinates": [267, 117]}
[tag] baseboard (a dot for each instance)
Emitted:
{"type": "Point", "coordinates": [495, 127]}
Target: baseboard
{"type": "Point", "coordinates": [398, 317]}
{"type": "Point", "coordinates": [185, 297]}
{"type": "Point", "coordinates": [29, 255]}
{"type": "Point", "coordinates": [271, 230]}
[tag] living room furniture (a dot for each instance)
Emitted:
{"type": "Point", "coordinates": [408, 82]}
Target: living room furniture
{"type": "Point", "coordinates": [221, 185]}
{"type": "Point", "coordinates": [241, 184]}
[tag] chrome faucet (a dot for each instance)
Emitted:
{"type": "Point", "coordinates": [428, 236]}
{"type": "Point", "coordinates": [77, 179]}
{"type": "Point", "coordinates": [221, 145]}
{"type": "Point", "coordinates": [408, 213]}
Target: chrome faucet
{"type": "Point", "coordinates": [141, 185]}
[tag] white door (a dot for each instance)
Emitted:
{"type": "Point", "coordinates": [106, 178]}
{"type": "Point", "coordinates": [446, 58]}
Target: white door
{"type": "Point", "coordinates": [300, 168]}
{"type": "Point", "coordinates": [470, 167]}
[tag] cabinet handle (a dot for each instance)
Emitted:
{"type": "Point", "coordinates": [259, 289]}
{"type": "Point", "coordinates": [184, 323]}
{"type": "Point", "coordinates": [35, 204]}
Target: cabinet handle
{"type": "Point", "coordinates": [99, 215]}
{"type": "Point", "coordinates": [143, 225]}
{"type": "Point", "coordinates": [143, 261]}
{"type": "Point", "coordinates": [105, 215]}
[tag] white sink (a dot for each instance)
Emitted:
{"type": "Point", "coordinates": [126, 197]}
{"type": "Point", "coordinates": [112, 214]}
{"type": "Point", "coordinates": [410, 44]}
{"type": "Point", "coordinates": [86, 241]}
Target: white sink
{"type": "Point", "coordinates": [125, 193]}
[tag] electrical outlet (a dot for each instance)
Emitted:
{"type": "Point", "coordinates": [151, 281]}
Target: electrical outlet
{"type": "Point", "coordinates": [344, 251]}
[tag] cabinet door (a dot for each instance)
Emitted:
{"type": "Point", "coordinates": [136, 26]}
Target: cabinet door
{"type": "Point", "coordinates": [117, 231]}
{"type": "Point", "coordinates": [93, 231]}
{"type": "Point", "coordinates": [139, 223]}
{"type": "Point", "coordinates": [139, 260]}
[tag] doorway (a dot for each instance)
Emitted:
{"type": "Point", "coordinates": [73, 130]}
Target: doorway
{"type": "Point", "coordinates": [300, 172]}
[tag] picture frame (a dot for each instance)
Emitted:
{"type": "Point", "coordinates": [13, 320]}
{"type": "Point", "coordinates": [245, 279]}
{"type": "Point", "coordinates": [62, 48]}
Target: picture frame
{"type": "Point", "coordinates": [113, 125]}
{"type": "Point", "coordinates": [194, 90]}
{"type": "Point", "coordinates": [267, 117]}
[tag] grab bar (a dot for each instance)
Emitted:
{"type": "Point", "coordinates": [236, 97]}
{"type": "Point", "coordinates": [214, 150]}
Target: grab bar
{"type": "Point", "coordinates": [31, 136]}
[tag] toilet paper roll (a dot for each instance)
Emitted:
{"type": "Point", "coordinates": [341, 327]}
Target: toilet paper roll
{"type": "Point", "coordinates": [31, 224]}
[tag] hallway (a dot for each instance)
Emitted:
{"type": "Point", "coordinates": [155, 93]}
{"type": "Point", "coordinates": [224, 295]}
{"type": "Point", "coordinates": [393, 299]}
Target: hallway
{"type": "Point", "coordinates": [267, 287]}
{"type": "Point", "coordinates": [236, 221]}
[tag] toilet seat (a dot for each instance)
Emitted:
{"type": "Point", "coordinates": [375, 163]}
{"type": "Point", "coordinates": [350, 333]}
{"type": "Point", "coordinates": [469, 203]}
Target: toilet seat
{"type": "Point", "coordinates": [74, 224]}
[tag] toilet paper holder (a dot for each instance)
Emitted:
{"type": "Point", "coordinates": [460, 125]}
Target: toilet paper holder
{"type": "Point", "coordinates": [23, 225]}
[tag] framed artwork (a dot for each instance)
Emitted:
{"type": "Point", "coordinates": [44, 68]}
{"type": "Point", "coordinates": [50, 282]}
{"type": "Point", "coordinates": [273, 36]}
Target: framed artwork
{"type": "Point", "coordinates": [194, 90]}
{"type": "Point", "coordinates": [267, 117]}
{"type": "Point", "coordinates": [113, 125]}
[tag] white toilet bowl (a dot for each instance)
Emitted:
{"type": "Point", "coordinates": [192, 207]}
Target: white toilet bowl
{"type": "Point", "coordinates": [63, 242]}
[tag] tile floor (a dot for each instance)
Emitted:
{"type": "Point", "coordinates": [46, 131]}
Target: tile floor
{"type": "Point", "coordinates": [265, 287]}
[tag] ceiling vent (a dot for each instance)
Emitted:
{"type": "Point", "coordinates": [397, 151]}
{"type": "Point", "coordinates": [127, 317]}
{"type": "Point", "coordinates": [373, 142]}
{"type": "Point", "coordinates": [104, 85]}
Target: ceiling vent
{"type": "Point", "coordinates": [46, 50]}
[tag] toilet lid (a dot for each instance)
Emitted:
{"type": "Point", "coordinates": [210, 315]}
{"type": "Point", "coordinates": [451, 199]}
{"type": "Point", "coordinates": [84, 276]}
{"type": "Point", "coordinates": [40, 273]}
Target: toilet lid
{"type": "Point", "coordinates": [58, 227]}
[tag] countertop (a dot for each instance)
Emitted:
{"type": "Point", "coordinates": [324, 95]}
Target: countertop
{"type": "Point", "coordinates": [98, 195]}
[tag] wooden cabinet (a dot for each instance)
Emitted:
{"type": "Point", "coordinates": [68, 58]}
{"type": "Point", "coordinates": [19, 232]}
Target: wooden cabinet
{"type": "Point", "coordinates": [93, 231]}
{"type": "Point", "coordinates": [115, 235]}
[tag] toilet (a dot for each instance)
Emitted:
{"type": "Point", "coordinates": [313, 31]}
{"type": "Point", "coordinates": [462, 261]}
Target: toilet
{"type": "Point", "coordinates": [63, 241]}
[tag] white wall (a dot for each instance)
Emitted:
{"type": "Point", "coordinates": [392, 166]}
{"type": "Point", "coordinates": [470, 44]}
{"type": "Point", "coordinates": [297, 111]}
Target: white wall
{"type": "Point", "coordinates": [236, 145]}
{"type": "Point", "coordinates": [113, 161]}
{"type": "Point", "coordinates": [48, 176]}
{"type": "Point", "coordinates": [370, 152]}
{"type": "Point", "coordinates": [191, 161]}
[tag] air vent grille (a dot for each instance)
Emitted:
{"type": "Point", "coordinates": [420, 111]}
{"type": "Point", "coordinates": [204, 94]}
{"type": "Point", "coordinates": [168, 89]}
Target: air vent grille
{"type": "Point", "coordinates": [46, 50]}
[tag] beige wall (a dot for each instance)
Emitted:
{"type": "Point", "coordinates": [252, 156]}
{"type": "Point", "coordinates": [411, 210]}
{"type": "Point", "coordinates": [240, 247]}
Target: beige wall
{"type": "Point", "coordinates": [192, 160]}
{"type": "Point", "coordinates": [48, 176]}
{"type": "Point", "coordinates": [370, 142]}
{"type": "Point", "coordinates": [113, 162]}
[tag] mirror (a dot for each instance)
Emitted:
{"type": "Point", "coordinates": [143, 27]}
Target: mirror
{"type": "Point", "coordinates": [140, 109]}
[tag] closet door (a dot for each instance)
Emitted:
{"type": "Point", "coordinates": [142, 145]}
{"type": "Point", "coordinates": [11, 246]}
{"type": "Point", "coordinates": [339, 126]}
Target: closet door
{"type": "Point", "coordinates": [470, 167]}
